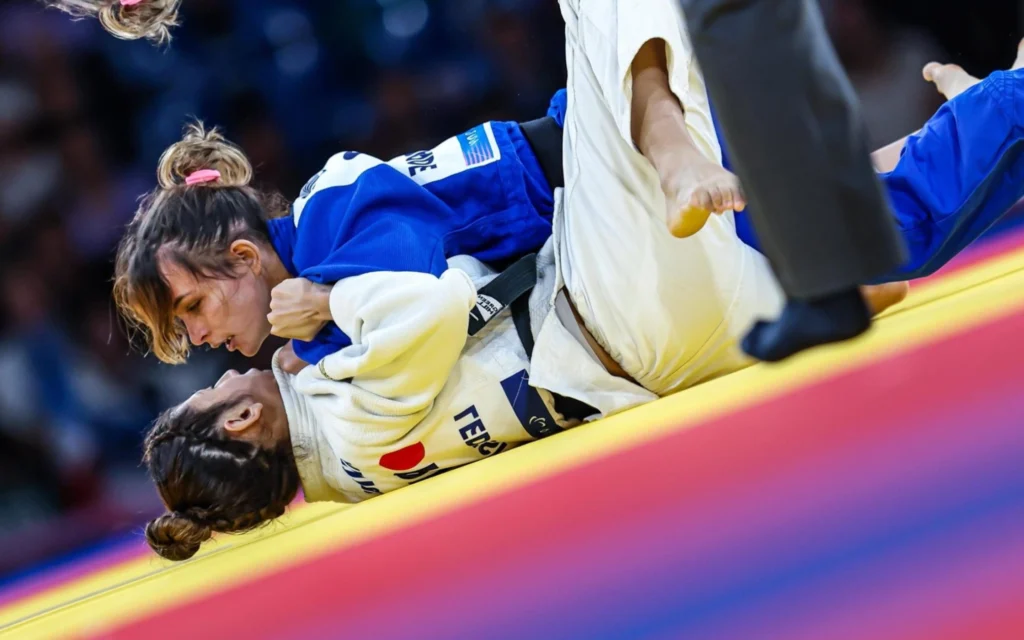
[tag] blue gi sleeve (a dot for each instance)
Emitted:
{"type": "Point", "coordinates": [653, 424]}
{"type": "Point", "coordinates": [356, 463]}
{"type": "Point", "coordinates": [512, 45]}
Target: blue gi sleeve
{"type": "Point", "coordinates": [358, 218]}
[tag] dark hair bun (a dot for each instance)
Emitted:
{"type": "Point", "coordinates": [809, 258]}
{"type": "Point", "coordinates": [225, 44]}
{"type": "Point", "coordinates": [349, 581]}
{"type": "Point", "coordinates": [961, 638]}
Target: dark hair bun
{"type": "Point", "coordinates": [176, 536]}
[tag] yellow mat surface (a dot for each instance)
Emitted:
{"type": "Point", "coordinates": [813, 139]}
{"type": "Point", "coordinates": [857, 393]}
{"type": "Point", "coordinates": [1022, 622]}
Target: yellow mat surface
{"type": "Point", "coordinates": [89, 605]}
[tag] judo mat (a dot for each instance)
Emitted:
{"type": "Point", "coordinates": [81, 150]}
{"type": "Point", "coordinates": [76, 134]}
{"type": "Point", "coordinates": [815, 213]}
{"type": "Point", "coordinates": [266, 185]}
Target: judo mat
{"type": "Point", "coordinates": [871, 490]}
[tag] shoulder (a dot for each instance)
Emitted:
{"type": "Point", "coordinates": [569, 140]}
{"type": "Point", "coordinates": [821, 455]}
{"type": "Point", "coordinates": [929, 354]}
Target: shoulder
{"type": "Point", "coordinates": [342, 170]}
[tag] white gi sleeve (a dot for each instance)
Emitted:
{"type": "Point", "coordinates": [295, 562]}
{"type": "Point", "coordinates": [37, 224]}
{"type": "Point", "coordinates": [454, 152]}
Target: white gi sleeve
{"type": "Point", "coordinates": [611, 33]}
{"type": "Point", "coordinates": [407, 331]}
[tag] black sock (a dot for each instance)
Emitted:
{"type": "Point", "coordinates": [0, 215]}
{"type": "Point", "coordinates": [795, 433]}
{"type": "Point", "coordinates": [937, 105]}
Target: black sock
{"type": "Point", "coordinates": [809, 323]}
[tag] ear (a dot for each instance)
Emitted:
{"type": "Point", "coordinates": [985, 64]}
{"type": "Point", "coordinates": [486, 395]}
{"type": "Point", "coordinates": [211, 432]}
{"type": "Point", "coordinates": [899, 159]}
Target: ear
{"type": "Point", "coordinates": [248, 253]}
{"type": "Point", "coordinates": [242, 417]}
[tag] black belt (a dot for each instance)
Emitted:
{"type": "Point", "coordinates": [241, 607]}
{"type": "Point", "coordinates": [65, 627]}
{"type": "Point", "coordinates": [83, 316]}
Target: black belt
{"type": "Point", "coordinates": [510, 289]}
{"type": "Point", "coordinates": [545, 138]}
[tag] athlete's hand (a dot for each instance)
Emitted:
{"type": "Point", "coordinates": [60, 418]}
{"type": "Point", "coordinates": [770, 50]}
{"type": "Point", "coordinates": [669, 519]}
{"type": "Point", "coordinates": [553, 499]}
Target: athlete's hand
{"type": "Point", "coordinates": [299, 309]}
{"type": "Point", "coordinates": [288, 361]}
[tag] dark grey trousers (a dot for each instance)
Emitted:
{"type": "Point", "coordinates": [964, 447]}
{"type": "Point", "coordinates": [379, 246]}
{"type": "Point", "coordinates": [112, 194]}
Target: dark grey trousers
{"type": "Point", "coordinates": [796, 139]}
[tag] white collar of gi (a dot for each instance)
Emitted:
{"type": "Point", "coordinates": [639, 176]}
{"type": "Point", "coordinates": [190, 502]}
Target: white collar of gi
{"type": "Point", "coordinates": [306, 443]}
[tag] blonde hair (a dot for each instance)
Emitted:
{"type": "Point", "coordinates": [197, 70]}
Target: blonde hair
{"type": "Point", "coordinates": [201, 149]}
{"type": "Point", "coordinates": [150, 19]}
{"type": "Point", "coordinates": [192, 225]}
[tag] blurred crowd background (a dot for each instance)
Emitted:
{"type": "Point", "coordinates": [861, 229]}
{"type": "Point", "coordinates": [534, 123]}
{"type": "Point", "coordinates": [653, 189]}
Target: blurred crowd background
{"type": "Point", "coordinates": [83, 118]}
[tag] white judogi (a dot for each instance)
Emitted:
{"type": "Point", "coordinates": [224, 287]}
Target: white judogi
{"type": "Point", "coordinates": [413, 396]}
{"type": "Point", "coordinates": [669, 311]}
{"type": "Point", "coordinates": [414, 392]}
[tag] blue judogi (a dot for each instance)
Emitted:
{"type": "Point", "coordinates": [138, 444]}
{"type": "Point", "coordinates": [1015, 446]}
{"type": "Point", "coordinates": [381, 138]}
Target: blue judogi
{"type": "Point", "coordinates": [481, 193]}
{"type": "Point", "coordinates": [956, 177]}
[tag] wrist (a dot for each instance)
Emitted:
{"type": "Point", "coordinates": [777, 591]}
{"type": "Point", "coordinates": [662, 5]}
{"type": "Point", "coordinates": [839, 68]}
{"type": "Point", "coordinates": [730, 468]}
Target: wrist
{"type": "Point", "coordinates": [322, 302]}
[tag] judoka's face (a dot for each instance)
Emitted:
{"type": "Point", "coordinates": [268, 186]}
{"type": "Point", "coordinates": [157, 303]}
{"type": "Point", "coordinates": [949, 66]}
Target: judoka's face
{"type": "Point", "coordinates": [255, 410]}
{"type": "Point", "coordinates": [220, 311]}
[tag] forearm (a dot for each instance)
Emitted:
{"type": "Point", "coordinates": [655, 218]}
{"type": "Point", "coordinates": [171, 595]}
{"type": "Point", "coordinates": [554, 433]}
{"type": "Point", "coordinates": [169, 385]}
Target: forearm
{"type": "Point", "coordinates": [410, 329]}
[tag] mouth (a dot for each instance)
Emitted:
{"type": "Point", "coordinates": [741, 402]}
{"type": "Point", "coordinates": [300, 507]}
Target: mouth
{"type": "Point", "coordinates": [231, 343]}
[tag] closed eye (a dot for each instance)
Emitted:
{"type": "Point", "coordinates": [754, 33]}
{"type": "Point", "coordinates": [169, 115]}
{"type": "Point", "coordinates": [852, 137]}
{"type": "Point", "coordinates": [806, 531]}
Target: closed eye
{"type": "Point", "coordinates": [194, 307]}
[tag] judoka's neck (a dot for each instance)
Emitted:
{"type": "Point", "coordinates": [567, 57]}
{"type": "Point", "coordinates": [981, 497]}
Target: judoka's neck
{"type": "Point", "coordinates": [274, 270]}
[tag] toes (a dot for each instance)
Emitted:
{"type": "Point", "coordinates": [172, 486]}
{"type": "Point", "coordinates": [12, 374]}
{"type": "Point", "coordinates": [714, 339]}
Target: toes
{"type": "Point", "coordinates": [734, 198]}
{"type": "Point", "coordinates": [950, 79]}
{"type": "Point", "coordinates": [717, 199]}
{"type": "Point", "coordinates": [941, 74]}
{"type": "Point", "coordinates": [1019, 62]}
{"type": "Point", "coordinates": [739, 201]}
{"type": "Point", "coordinates": [701, 199]}
{"type": "Point", "coordinates": [728, 200]}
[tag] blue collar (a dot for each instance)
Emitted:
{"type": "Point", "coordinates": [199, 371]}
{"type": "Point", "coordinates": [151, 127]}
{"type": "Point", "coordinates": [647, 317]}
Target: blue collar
{"type": "Point", "coordinates": [283, 235]}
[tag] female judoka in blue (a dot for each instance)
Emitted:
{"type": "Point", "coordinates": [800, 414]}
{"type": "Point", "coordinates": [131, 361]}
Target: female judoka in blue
{"type": "Point", "coordinates": [200, 259]}
{"type": "Point", "coordinates": [483, 193]}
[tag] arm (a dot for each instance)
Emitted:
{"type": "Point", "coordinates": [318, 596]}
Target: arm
{"type": "Point", "coordinates": [357, 216]}
{"type": "Point", "coordinates": [407, 330]}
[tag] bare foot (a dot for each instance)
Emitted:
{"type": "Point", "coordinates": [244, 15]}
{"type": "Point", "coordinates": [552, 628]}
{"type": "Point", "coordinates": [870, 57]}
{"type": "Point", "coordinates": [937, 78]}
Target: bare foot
{"type": "Point", "coordinates": [950, 79]}
{"type": "Point", "coordinates": [699, 192]}
{"type": "Point", "coordinates": [882, 296]}
{"type": "Point", "coordinates": [1019, 62]}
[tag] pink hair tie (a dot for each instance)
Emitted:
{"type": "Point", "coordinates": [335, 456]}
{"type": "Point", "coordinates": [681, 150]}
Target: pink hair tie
{"type": "Point", "coordinates": [130, 3]}
{"type": "Point", "coordinates": [201, 176]}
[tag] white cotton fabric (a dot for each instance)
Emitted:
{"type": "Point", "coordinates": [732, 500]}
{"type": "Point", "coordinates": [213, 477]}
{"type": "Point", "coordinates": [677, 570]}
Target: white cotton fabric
{"type": "Point", "coordinates": [670, 311]}
{"type": "Point", "coordinates": [413, 396]}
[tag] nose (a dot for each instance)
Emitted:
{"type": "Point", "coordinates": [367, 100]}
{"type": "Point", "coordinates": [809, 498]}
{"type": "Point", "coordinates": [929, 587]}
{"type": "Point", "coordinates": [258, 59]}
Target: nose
{"type": "Point", "coordinates": [197, 334]}
{"type": "Point", "coordinates": [230, 373]}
